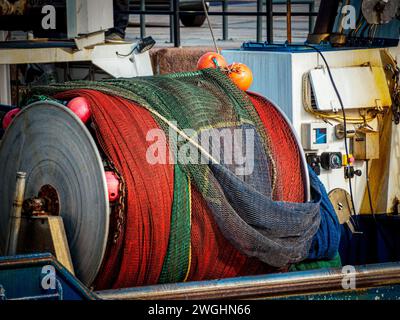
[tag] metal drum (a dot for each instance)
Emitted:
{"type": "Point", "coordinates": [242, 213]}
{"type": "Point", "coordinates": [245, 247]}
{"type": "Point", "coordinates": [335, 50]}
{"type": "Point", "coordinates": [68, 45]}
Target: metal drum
{"type": "Point", "coordinates": [53, 147]}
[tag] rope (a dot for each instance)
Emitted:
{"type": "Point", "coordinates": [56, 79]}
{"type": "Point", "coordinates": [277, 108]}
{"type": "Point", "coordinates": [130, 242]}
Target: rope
{"type": "Point", "coordinates": [210, 27]}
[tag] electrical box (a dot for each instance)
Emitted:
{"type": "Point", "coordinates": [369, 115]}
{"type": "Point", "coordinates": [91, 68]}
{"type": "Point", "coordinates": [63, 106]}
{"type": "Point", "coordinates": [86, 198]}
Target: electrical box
{"type": "Point", "coordinates": [314, 136]}
{"type": "Point", "coordinates": [359, 87]}
{"type": "Point", "coordinates": [366, 144]}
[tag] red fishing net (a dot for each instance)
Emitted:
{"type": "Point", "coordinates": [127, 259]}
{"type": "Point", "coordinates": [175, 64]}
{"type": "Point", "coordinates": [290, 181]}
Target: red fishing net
{"type": "Point", "coordinates": [285, 151]}
{"type": "Point", "coordinates": [137, 257]}
{"type": "Point", "coordinates": [213, 257]}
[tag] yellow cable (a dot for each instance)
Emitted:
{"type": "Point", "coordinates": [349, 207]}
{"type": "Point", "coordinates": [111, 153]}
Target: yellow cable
{"type": "Point", "coordinates": [326, 115]}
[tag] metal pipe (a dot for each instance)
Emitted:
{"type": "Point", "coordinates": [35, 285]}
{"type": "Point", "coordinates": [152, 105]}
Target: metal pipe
{"type": "Point", "coordinates": [311, 18]}
{"type": "Point", "coordinates": [177, 33]}
{"type": "Point", "coordinates": [265, 286]}
{"type": "Point", "coordinates": [228, 13]}
{"type": "Point", "coordinates": [171, 22]}
{"type": "Point", "coordinates": [142, 19]}
{"type": "Point", "coordinates": [5, 78]}
{"type": "Point", "coordinates": [259, 20]}
{"type": "Point", "coordinates": [289, 20]}
{"type": "Point", "coordinates": [16, 214]}
{"type": "Point", "coordinates": [270, 22]}
{"type": "Point", "coordinates": [225, 20]}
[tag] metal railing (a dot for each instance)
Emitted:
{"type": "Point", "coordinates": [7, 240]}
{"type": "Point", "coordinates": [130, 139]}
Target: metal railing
{"type": "Point", "coordinates": [305, 283]}
{"type": "Point", "coordinates": [175, 13]}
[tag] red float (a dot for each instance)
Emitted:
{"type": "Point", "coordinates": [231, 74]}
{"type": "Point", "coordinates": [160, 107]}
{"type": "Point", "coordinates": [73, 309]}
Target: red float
{"type": "Point", "coordinates": [80, 106]}
{"type": "Point", "coordinates": [8, 118]}
{"type": "Point", "coordinates": [112, 186]}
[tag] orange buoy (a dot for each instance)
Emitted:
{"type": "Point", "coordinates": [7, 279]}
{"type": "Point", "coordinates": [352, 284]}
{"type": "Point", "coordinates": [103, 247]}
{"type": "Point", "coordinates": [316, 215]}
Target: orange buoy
{"type": "Point", "coordinates": [211, 60]}
{"type": "Point", "coordinates": [241, 75]}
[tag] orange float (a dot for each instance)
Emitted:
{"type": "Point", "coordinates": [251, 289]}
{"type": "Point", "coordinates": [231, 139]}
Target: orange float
{"type": "Point", "coordinates": [211, 60]}
{"type": "Point", "coordinates": [241, 75]}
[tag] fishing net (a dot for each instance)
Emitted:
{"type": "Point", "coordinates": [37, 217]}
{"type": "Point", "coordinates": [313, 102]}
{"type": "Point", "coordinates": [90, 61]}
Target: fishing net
{"type": "Point", "coordinates": [205, 216]}
{"type": "Point", "coordinates": [285, 151]}
{"type": "Point", "coordinates": [137, 257]}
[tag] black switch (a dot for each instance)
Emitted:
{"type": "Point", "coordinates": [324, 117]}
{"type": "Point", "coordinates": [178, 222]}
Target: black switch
{"type": "Point", "coordinates": [313, 161]}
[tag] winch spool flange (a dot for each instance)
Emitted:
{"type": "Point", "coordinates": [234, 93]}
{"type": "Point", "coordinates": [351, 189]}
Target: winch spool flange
{"type": "Point", "coordinates": [50, 143]}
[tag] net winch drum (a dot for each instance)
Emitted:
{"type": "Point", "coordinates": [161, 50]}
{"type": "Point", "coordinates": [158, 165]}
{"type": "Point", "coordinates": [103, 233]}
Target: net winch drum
{"type": "Point", "coordinates": [55, 148]}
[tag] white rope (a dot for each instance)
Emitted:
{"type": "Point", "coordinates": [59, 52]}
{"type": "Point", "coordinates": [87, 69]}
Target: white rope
{"type": "Point", "coordinates": [209, 26]}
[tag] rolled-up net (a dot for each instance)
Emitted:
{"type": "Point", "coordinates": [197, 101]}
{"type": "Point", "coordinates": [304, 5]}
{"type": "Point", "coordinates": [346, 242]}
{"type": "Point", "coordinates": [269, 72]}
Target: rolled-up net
{"type": "Point", "coordinates": [203, 217]}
